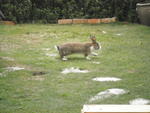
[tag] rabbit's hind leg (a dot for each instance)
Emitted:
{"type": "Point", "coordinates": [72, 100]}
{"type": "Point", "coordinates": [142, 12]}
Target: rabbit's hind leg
{"type": "Point", "coordinates": [64, 58]}
{"type": "Point", "coordinates": [86, 56]}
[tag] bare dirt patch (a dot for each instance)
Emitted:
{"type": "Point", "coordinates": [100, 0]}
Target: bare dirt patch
{"type": "Point", "coordinates": [38, 73]}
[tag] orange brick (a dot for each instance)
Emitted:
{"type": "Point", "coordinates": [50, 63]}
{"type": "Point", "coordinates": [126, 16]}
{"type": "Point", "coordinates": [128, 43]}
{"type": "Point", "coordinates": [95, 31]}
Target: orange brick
{"type": "Point", "coordinates": [65, 21]}
{"type": "Point", "coordinates": [114, 19]}
{"type": "Point", "coordinates": [80, 21]}
{"type": "Point", "coordinates": [93, 21]}
{"type": "Point", "coordinates": [90, 21]}
{"type": "Point", "coordinates": [108, 20]}
{"type": "Point", "coordinates": [7, 22]}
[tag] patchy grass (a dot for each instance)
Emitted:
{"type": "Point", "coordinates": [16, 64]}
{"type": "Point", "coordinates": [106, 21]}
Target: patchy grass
{"type": "Point", "coordinates": [125, 54]}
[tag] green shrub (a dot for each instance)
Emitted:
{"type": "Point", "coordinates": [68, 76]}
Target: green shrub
{"type": "Point", "coordinates": [49, 11]}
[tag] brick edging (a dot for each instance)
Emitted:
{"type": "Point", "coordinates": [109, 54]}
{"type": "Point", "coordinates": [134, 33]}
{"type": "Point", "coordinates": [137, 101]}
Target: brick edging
{"type": "Point", "coordinates": [86, 21]}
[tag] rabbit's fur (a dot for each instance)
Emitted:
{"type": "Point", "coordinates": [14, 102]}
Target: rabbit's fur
{"type": "Point", "coordinates": [84, 48]}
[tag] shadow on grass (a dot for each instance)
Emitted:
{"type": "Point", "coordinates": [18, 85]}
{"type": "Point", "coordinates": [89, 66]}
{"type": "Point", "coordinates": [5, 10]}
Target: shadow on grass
{"type": "Point", "coordinates": [78, 59]}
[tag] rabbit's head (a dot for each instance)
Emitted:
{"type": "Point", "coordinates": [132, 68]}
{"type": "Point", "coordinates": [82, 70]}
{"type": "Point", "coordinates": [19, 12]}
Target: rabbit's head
{"type": "Point", "coordinates": [95, 44]}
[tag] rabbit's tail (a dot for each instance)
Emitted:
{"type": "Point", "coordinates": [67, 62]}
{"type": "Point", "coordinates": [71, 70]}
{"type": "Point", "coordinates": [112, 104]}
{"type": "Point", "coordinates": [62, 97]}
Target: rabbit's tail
{"type": "Point", "coordinates": [56, 47]}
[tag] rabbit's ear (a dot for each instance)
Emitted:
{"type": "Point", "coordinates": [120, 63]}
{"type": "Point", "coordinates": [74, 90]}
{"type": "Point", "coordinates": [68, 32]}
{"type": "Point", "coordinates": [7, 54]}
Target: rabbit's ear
{"type": "Point", "coordinates": [93, 38]}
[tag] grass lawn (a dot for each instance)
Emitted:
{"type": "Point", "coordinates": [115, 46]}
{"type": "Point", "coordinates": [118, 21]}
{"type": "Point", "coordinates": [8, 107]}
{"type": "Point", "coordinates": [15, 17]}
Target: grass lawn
{"type": "Point", "coordinates": [125, 54]}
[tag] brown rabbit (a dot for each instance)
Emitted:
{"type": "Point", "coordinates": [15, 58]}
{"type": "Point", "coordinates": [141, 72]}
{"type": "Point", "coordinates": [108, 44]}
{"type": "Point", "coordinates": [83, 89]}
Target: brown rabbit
{"type": "Point", "coordinates": [84, 48]}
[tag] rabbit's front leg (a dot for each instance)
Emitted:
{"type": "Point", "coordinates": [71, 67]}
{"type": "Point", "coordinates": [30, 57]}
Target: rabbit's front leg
{"type": "Point", "coordinates": [92, 51]}
{"type": "Point", "coordinates": [86, 56]}
{"type": "Point", "coordinates": [64, 58]}
{"type": "Point", "coordinates": [94, 54]}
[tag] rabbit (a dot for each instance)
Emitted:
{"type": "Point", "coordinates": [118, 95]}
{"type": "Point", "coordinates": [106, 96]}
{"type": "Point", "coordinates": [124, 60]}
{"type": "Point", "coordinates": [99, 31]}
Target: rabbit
{"type": "Point", "coordinates": [83, 48]}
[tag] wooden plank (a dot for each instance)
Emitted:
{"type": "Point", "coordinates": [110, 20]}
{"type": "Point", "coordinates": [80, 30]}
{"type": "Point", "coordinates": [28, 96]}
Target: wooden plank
{"type": "Point", "coordinates": [116, 109]}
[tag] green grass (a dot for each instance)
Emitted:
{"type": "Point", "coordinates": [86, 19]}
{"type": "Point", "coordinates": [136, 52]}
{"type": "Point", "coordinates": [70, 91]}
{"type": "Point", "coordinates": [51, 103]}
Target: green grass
{"type": "Point", "coordinates": [126, 56]}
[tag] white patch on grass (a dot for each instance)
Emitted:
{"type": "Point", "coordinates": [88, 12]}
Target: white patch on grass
{"type": "Point", "coordinates": [43, 35]}
{"type": "Point", "coordinates": [14, 68]}
{"type": "Point", "coordinates": [53, 35]}
{"type": "Point", "coordinates": [73, 70]}
{"type": "Point", "coordinates": [118, 34]}
{"type": "Point", "coordinates": [104, 32]}
{"type": "Point", "coordinates": [106, 79]}
{"type": "Point", "coordinates": [2, 75]}
{"type": "Point", "coordinates": [88, 58]}
{"type": "Point", "coordinates": [96, 62]}
{"type": "Point", "coordinates": [51, 54]}
{"type": "Point", "coordinates": [46, 49]}
{"type": "Point", "coordinates": [108, 93]}
{"type": "Point", "coordinates": [39, 63]}
{"type": "Point", "coordinates": [38, 78]}
{"type": "Point", "coordinates": [139, 101]}
{"type": "Point", "coordinates": [8, 58]}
